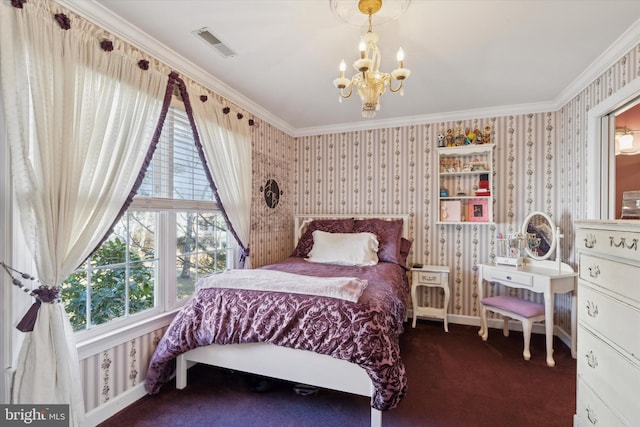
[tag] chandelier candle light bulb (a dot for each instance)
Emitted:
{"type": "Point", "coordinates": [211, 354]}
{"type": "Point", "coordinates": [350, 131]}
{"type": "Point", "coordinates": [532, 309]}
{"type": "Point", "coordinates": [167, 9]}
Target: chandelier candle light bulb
{"type": "Point", "coordinates": [370, 82]}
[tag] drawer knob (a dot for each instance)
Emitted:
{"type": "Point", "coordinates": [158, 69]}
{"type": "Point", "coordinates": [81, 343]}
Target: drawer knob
{"type": "Point", "coordinates": [591, 415]}
{"type": "Point", "coordinates": [592, 360]}
{"type": "Point", "coordinates": [509, 278]}
{"type": "Point", "coordinates": [594, 271]}
{"type": "Point", "coordinates": [590, 241]}
{"type": "Point", "coordinates": [592, 309]}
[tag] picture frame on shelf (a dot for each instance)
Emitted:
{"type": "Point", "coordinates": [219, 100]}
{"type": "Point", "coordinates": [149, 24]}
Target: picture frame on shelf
{"type": "Point", "coordinates": [478, 210]}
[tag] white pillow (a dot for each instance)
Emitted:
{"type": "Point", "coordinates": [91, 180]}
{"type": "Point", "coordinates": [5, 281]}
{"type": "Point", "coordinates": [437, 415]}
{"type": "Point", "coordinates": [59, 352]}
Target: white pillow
{"type": "Point", "coordinates": [344, 248]}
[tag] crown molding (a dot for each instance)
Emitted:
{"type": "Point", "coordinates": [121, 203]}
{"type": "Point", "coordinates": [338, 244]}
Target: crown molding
{"type": "Point", "coordinates": [505, 110]}
{"type": "Point", "coordinates": [133, 35]}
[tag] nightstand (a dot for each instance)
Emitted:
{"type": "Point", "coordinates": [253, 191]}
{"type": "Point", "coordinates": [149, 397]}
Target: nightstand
{"type": "Point", "coordinates": [430, 276]}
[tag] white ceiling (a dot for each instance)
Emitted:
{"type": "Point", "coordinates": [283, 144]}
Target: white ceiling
{"type": "Point", "coordinates": [466, 56]}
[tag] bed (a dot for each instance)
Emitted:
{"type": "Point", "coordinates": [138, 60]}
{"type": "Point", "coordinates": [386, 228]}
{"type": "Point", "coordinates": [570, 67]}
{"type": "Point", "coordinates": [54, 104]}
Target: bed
{"type": "Point", "coordinates": [348, 344]}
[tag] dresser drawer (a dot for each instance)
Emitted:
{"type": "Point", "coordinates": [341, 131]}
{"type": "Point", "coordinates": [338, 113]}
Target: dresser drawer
{"type": "Point", "coordinates": [512, 277]}
{"type": "Point", "coordinates": [428, 277]}
{"type": "Point", "coordinates": [624, 244]}
{"type": "Point", "coordinates": [617, 277]}
{"type": "Point", "coordinates": [592, 411]}
{"type": "Point", "coordinates": [610, 318]}
{"type": "Point", "coordinates": [614, 378]}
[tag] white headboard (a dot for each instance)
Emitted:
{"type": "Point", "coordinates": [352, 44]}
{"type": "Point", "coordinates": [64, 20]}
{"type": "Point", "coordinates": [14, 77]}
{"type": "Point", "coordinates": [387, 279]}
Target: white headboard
{"type": "Point", "coordinates": [300, 222]}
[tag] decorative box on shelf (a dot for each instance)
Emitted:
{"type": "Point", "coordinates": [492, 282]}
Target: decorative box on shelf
{"type": "Point", "coordinates": [451, 210]}
{"type": "Point", "coordinates": [510, 249]}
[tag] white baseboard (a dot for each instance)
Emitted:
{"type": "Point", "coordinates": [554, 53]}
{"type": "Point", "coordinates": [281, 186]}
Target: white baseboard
{"type": "Point", "coordinates": [113, 406]}
{"type": "Point", "coordinates": [514, 325]}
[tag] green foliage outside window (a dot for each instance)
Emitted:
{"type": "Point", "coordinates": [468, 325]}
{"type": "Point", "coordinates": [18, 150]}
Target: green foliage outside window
{"type": "Point", "coordinates": [108, 293]}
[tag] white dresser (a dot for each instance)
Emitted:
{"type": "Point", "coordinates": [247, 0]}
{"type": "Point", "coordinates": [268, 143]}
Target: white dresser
{"type": "Point", "coordinates": [608, 384]}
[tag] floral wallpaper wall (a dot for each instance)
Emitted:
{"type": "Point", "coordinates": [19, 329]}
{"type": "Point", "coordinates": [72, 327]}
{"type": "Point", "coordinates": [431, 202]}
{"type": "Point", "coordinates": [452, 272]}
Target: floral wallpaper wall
{"type": "Point", "coordinates": [274, 154]}
{"type": "Point", "coordinates": [395, 170]}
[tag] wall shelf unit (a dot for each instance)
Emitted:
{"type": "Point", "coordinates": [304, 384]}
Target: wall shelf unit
{"type": "Point", "coordinates": [465, 174]}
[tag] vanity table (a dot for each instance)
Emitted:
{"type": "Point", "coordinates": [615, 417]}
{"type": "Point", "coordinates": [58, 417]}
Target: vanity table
{"type": "Point", "coordinates": [540, 238]}
{"type": "Point", "coordinates": [540, 277]}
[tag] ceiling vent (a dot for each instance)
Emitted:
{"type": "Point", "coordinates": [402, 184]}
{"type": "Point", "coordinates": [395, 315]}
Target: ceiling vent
{"type": "Point", "coordinates": [208, 37]}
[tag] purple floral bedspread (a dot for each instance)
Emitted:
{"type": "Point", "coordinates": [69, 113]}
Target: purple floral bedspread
{"type": "Point", "coordinates": [366, 333]}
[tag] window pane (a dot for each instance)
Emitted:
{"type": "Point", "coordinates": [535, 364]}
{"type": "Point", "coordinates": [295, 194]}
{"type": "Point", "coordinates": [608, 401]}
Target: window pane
{"type": "Point", "coordinates": [108, 292]}
{"type": "Point", "coordinates": [74, 298]}
{"type": "Point", "coordinates": [212, 243]}
{"type": "Point", "coordinates": [185, 232]}
{"type": "Point", "coordinates": [210, 231]}
{"type": "Point", "coordinates": [186, 280]}
{"type": "Point", "coordinates": [201, 248]}
{"type": "Point", "coordinates": [186, 262]}
{"type": "Point", "coordinates": [142, 235]}
{"type": "Point", "coordinates": [113, 250]}
{"type": "Point", "coordinates": [142, 286]}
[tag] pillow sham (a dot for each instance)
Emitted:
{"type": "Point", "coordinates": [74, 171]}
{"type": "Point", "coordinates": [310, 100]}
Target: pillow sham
{"type": "Point", "coordinates": [389, 233]}
{"type": "Point", "coordinates": [343, 225]}
{"type": "Point", "coordinates": [405, 247]}
{"type": "Point", "coordinates": [357, 249]}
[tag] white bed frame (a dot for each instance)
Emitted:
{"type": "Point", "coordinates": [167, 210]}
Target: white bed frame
{"type": "Point", "coordinates": [300, 366]}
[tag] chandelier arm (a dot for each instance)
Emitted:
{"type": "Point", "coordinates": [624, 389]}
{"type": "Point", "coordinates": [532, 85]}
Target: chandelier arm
{"type": "Point", "coordinates": [349, 94]}
{"type": "Point", "coordinates": [391, 86]}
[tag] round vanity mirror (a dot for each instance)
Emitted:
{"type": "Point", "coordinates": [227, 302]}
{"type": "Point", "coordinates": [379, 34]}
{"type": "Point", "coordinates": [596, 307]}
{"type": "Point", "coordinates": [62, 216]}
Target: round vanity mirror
{"type": "Point", "coordinates": [540, 235]}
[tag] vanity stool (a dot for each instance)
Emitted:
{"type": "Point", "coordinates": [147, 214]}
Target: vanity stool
{"type": "Point", "coordinates": [516, 308]}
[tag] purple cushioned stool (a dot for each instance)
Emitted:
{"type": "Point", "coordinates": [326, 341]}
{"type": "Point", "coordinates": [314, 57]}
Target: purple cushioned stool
{"type": "Point", "coordinates": [516, 308]}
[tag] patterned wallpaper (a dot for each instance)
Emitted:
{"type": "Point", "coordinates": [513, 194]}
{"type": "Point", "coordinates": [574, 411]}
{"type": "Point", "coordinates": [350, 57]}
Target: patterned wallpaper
{"type": "Point", "coordinates": [395, 170]}
{"type": "Point", "coordinates": [274, 154]}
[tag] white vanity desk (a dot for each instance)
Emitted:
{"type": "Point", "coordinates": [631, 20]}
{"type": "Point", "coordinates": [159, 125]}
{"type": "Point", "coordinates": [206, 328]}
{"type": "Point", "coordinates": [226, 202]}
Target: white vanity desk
{"type": "Point", "coordinates": [541, 277]}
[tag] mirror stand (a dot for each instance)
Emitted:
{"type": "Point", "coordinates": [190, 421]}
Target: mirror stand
{"type": "Point", "coordinates": [559, 237]}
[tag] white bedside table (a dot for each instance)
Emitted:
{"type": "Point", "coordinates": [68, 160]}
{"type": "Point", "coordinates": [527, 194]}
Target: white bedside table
{"type": "Point", "coordinates": [431, 276]}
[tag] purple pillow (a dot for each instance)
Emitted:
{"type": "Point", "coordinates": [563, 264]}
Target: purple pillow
{"type": "Point", "coordinates": [405, 247]}
{"type": "Point", "coordinates": [305, 243]}
{"type": "Point", "coordinates": [389, 233]}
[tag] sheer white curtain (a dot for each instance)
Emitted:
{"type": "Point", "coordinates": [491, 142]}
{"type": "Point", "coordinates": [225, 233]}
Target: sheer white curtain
{"type": "Point", "coordinates": [80, 119]}
{"type": "Point", "coordinates": [226, 142]}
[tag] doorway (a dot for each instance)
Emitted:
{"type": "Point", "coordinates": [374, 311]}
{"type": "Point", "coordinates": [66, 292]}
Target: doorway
{"type": "Point", "coordinates": [603, 162]}
{"type": "Point", "coordinates": [627, 153]}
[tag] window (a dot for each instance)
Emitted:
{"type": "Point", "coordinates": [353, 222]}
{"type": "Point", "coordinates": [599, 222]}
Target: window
{"type": "Point", "coordinates": [171, 235]}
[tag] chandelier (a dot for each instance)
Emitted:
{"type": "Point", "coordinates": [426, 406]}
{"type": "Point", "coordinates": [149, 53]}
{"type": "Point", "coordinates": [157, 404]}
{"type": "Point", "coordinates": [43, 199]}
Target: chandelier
{"type": "Point", "coordinates": [369, 81]}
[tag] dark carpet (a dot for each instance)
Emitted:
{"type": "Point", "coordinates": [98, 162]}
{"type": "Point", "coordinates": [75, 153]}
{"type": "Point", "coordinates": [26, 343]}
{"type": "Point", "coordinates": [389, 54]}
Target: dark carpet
{"type": "Point", "coordinates": [455, 379]}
